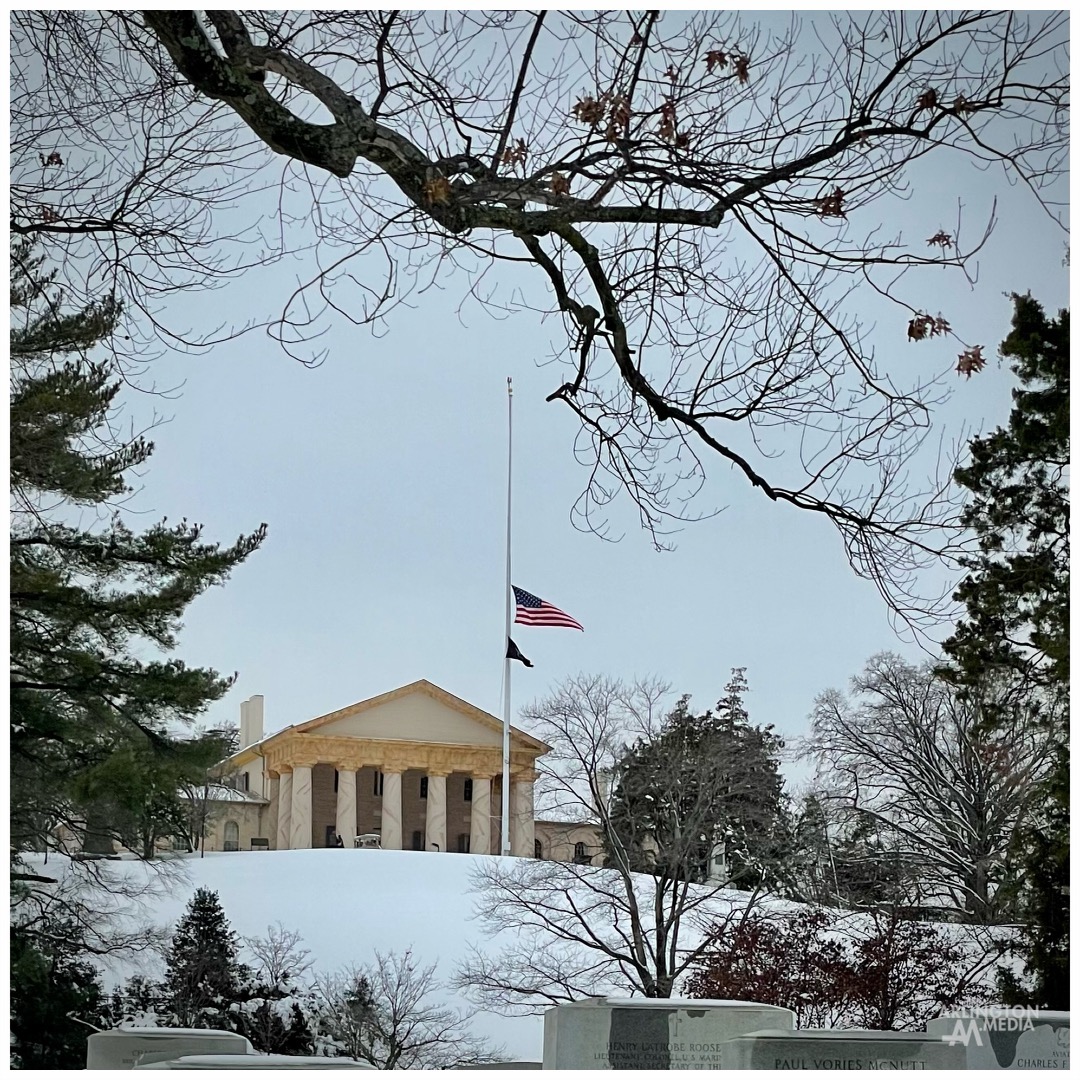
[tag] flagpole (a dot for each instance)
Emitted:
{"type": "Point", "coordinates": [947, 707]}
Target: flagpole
{"type": "Point", "coordinates": [505, 844]}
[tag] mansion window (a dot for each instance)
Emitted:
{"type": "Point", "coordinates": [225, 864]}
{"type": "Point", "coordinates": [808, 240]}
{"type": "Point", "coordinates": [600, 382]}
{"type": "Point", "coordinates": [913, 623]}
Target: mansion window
{"type": "Point", "coordinates": [232, 836]}
{"type": "Point", "coordinates": [538, 850]}
{"type": "Point", "coordinates": [463, 843]}
{"type": "Point", "coordinates": [417, 840]}
{"type": "Point", "coordinates": [378, 783]}
{"type": "Point", "coordinates": [423, 787]}
{"type": "Point", "coordinates": [468, 789]}
{"type": "Point", "coordinates": [335, 779]}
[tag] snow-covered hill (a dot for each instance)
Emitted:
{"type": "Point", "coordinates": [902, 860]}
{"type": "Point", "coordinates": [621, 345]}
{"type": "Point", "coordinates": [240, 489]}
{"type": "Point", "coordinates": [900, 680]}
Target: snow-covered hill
{"type": "Point", "coordinates": [345, 904]}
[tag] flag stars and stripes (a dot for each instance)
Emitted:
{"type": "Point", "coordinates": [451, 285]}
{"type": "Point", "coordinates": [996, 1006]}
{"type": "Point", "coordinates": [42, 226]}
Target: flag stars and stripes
{"type": "Point", "coordinates": [532, 611]}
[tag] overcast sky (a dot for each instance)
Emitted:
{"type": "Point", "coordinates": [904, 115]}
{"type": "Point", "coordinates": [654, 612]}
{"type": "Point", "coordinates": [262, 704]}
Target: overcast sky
{"type": "Point", "coordinates": [382, 477]}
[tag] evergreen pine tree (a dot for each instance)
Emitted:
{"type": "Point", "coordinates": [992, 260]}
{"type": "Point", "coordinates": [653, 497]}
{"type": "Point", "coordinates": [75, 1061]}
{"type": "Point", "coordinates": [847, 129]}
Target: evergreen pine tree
{"type": "Point", "coordinates": [1043, 871]}
{"type": "Point", "coordinates": [137, 788]}
{"type": "Point", "coordinates": [704, 779]}
{"type": "Point", "coordinates": [204, 977]}
{"type": "Point", "coordinates": [274, 1030]}
{"type": "Point", "coordinates": [299, 1038]}
{"type": "Point", "coordinates": [1016, 591]}
{"type": "Point", "coordinates": [91, 599]}
{"type": "Point", "coordinates": [1016, 625]}
{"type": "Point", "coordinates": [87, 594]}
{"type": "Point", "coordinates": [138, 999]}
{"type": "Point", "coordinates": [55, 994]}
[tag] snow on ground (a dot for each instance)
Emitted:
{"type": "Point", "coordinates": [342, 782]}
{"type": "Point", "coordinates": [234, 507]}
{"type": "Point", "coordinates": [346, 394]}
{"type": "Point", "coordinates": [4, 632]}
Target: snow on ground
{"type": "Point", "coordinates": [345, 903]}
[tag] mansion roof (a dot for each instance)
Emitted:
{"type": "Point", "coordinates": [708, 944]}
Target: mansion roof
{"type": "Point", "coordinates": [222, 793]}
{"type": "Point", "coordinates": [439, 718]}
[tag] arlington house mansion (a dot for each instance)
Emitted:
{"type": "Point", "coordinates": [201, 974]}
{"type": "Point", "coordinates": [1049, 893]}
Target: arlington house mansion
{"type": "Point", "coordinates": [415, 768]}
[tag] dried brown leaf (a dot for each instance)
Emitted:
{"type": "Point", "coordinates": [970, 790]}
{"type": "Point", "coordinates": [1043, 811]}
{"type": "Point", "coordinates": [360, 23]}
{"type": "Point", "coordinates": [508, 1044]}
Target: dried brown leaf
{"type": "Point", "coordinates": [438, 190]}
{"type": "Point", "coordinates": [589, 110]}
{"type": "Point", "coordinates": [515, 154]}
{"type": "Point", "coordinates": [832, 205]}
{"type": "Point", "coordinates": [927, 99]}
{"type": "Point", "coordinates": [923, 326]}
{"type": "Point", "coordinates": [716, 58]}
{"type": "Point", "coordinates": [668, 120]}
{"type": "Point", "coordinates": [620, 111]}
{"type": "Point", "coordinates": [972, 361]}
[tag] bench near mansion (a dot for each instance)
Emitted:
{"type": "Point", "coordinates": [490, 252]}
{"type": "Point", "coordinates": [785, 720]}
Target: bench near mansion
{"type": "Point", "coordinates": [416, 768]}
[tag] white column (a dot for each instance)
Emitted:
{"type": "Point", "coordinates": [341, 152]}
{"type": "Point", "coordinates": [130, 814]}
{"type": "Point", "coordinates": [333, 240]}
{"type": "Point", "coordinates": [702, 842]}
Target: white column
{"type": "Point", "coordinates": [284, 811]}
{"type": "Point", "coordinates": [435, 826]}
{"type": "Point", "coordinates": [268, 817]}
{"type": "Point", "coordinates": [522, 821]}
{"type": "Point", "coordinates": [300, 825]}
{"type": "Point", "coordinates": [480, 817]}
{"type": "Point", "coordinates": [346, 803]}
{"type": "Point", "coordinates": [391, 811]}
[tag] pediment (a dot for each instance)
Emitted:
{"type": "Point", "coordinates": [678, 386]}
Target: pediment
{"type": "Point", "coordinates": [419, 712]}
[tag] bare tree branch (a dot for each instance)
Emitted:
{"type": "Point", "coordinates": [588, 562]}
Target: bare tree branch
{"type": "Point", "coordinates": [703, 198]}
{"type": "Point", "coordinates": [910, 753]}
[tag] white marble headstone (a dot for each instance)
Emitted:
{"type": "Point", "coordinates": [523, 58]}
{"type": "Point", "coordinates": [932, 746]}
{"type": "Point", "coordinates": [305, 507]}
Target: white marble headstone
{"type": "Point", "coordinates": [650, 1033]}
{"type": "Point", "coordinates": [837, 1051]}
{"type": "Point", "coordinates": [1002, 1038]}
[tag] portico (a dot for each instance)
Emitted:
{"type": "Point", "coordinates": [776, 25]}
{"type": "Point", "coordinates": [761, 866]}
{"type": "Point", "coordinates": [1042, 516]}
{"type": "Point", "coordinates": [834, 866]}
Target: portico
{"type": "Point", "coordinates": [418, 766]}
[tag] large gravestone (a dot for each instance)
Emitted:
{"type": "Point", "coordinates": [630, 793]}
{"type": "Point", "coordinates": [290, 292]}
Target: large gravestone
{"type": "Point", "coordinates": [123, 1048]}
{"type": "Point", "coordinates": [650, 1033]}
{"type": "Point", "coordinates": [1007, 1038]}
{"type": "Point", "coordinates": [840, 1050]}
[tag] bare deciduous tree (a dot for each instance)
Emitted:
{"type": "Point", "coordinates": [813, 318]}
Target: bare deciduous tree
{"type": "Point", "coordinates": [388, 1013]}
{"type": "Point", "coordinates": [706, 200]}
{"type": "Point", "coordinates": [580, 929]}
{"type": "Point", "coordinates": [202, 804]}
{"type": "Point", "coordinates": [910, 754]}
{"type": "Point", "coordinates": [271, 1008]}
{"type": "Point", "coordinates": [280, 960]}
{"type": "Point", "coordinates": [93, 902]}
{"type": "Point", "coordinates": [204, 799]}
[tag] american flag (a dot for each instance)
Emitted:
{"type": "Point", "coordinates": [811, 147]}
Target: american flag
{"type": "Point", "coordinates": [532, 611]}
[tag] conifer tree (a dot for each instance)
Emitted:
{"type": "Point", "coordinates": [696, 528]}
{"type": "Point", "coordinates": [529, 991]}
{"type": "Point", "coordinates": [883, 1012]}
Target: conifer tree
{"type": "Point", "coordinates": [203, 975]}
{"type": "Point", "coordinates": [273, 1033]}
{"type": "Point", "coordinates": [1016, 624]}
{"type": "Point", "coordinates": [703, 780]}
{"type": "Point", "coordinates": [1043, 868]}
{"type": "Point", "coordinates": [55, 995]}
{"type": "Point", "coordinates": [92, 600]}
{"type": "Point", "coordinates": [1016, 591]}
{"type": "Point", "coordinates": [136, 789]}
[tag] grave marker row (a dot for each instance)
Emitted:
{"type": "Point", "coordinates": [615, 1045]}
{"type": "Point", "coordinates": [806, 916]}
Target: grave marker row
{"type": "Point", "coordinates": [640, 1033]}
